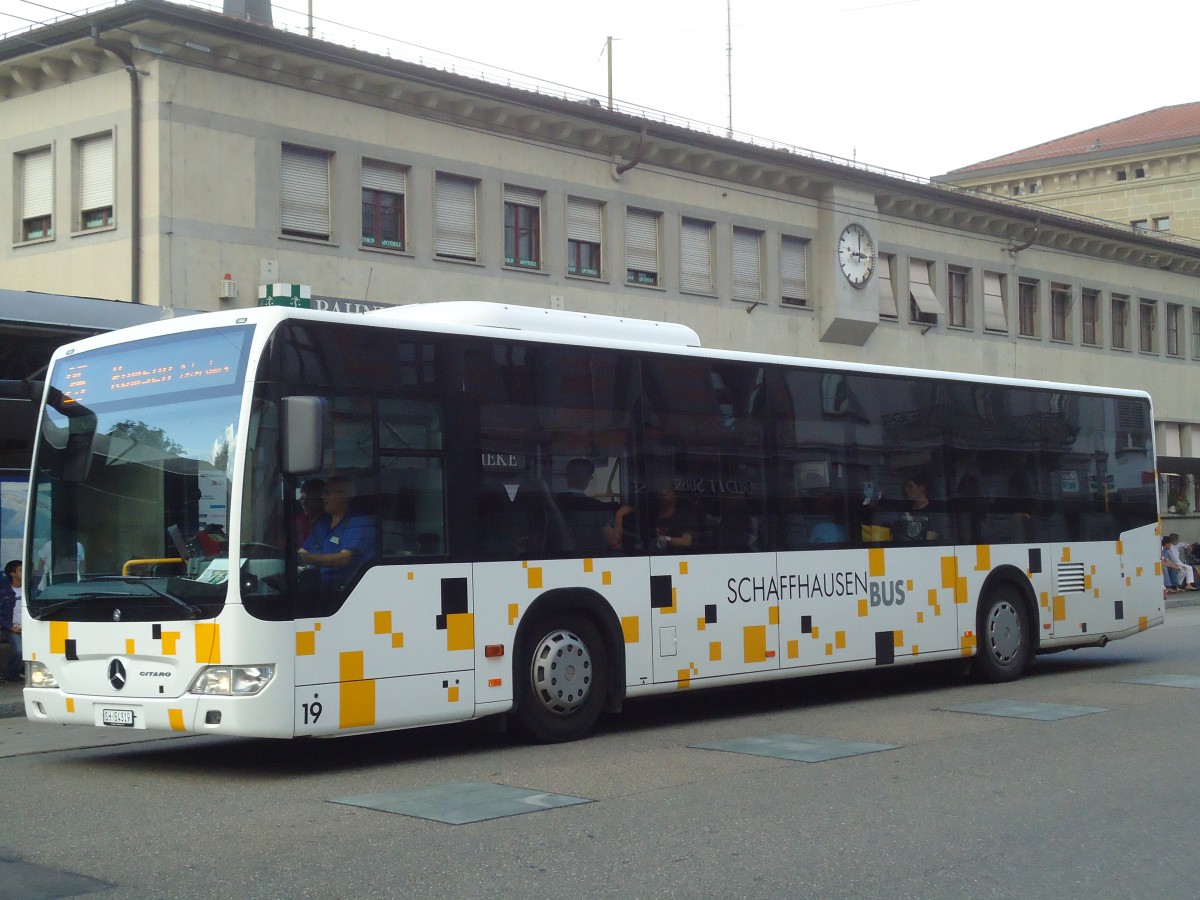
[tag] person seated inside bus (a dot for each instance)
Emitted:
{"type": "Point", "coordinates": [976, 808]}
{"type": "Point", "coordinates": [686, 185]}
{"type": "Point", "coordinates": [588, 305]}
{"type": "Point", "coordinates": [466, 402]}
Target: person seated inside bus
{"type": "Point", "coordinates": [672, 527]}
{"type": "Point", "coordinates": [922, 521]}
{"type": "Point", "coordinates": [587, 517]}
{"type": "Point", "coordinates": [341, 540]}
{"type": "Point", "coordinates": [825, 528]}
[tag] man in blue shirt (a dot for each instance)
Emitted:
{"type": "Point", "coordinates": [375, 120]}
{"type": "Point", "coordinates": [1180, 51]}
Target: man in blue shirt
{"type": "Point", "coordinates": [340, 540]}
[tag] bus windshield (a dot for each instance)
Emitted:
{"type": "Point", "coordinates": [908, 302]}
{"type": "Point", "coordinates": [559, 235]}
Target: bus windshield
{"type": "Point", "coordinates": [132, 479]}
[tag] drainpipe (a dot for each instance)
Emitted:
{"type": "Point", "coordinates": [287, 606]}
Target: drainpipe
{"type": "Point", "coordinates": [135, 187]}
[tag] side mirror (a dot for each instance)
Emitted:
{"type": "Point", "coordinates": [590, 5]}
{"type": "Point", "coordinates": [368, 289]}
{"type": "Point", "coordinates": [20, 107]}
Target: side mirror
{"type": "Point", "coordinates": [303, 434]}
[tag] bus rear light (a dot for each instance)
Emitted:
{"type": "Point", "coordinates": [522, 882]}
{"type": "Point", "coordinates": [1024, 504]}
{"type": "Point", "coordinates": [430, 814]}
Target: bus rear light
{"type": "Point", "coordinates": [493, 651]}
{"type": "Point", "coordinates": [232, 680]}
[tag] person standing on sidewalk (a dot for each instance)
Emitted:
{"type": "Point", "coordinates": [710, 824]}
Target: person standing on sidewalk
{"type": "Point", "coordinates": [10, 620]}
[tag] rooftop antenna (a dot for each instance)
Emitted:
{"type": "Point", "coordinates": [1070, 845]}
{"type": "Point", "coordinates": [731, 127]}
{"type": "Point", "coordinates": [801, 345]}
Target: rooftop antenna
{"type": "Point", "coordinates": [729, 60]}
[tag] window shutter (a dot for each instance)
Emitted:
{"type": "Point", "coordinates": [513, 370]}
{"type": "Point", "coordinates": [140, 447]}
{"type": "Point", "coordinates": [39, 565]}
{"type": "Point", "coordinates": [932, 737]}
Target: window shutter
{"type": "Point", "coordinates": [747, 264]}
{"type": "Point", "coordinates": [793, 270]}
{"type": "Point", "coordinates": [922, 294]}
{"type": "Point", "coordinates": [379, 176]}
{"type": "Point", "coordinates": [36, 184]}
{"type": "Point", "coordinates": [304, 192]}
{"type": "Point", "coordinates": [96, 172]}
{"type": "Point", "coordinates": [641, 241]}
{"type": "Point", "coordinates": [522, 196]}
{"type": "Point", "coordinates": [887, 289]}
{"type": "Point", "coordinates": [696, 257]}
{"type": "Point", "coordinates": [994, 316]}
{"type": "Point", "coordinates": [583, 220]}
{"type": "Point", "coordinates": [455, 229]}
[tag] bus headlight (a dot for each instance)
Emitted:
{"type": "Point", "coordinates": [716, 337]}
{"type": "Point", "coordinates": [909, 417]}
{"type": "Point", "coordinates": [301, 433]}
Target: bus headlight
{"type": "Point", "coordinates": [38, 676]}
{"type": "Point", "coordinates": [232, 680]}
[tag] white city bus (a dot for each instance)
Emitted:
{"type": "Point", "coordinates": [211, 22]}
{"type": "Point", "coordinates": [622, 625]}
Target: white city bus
{"type": "Point", "coordinates": [541, 514]}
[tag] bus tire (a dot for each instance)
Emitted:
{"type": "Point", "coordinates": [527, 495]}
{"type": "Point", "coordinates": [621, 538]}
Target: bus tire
{"type": "Point", "coordinates": [1005, 640]}
{"type": "Point", "coordinates": [562, 678]}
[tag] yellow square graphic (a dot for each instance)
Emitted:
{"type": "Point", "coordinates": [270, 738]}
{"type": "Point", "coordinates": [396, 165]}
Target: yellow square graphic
{"type": "Point", "coordinates": [356, 704]}
{"type": "Point", "coordinates": [513, 612]}
{"type": "Point", "coordinates": [862, 607]}
{"type": "Point", "coordinates": [983, 558]}
{"type": "Point", "coordinates": [897, 639]}
{"type": "Point", "coordinates": [452, 694]}
{"type": "Point", "coordinates": [208, 643]}
{"type": "Point", "coordinates": [606, 577]}
{"type": "Point", "coordinates": [460, 631]}
{"type": "Point", "coordinates": [351, 666]}
{"type": "Point", "coordinates": [535, 578]}
{"type": "Point", "coordinates": [876, 567]}
{"type": "Point", "coordinates": [588, 565]}
{"type": "Point", "coordinates": [773, 615]}
{"type": "Point", "coordinates": [398, 640]}
{"type": "Point", "coordinates": [714, 651]}
{"type": "Point", "coordinates": [754, 640]}
{"type": "Point", "coordinates": [175, 717]}
{"type": "Point", "coordinates": [793, 649]}
{"type": "Point", "coordinates": [129, 645]}
{"type": "Point", "coordinates": [683, 567]}
{"type": "Point", "coordinates": [949, 571]}
{"type": "Point", "coordinates": [306, 643]}
{"type": "Point", "coordinates": [383, 621]}
{"type": "Point", "coordinates": [169, 641]}
{"type": "Point", "coordinates": [631, 628]}
{"type": "Point", "coordinates": [700, 623]}
{"type": "Point", "coordinates": [839, 639]}
{"type": "Point", "coordinates": [58, 637]}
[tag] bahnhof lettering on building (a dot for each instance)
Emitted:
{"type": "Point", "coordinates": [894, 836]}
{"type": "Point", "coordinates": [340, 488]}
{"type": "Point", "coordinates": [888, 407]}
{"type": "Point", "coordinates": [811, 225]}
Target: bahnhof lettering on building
{"type": "Point", "coordinates": [170, 159]}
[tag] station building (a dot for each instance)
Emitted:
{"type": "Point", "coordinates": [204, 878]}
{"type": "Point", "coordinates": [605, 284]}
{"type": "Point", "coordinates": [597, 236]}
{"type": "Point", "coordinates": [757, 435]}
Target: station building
{"type": "Point", "coordinates": [171, 157]}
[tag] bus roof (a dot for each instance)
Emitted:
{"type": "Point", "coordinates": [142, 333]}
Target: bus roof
{"type": "Point", "coordinates": [483, 314]}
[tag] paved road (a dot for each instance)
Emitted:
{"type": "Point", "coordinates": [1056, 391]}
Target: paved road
{"type": "Point", "coordinates": [1098, 805]}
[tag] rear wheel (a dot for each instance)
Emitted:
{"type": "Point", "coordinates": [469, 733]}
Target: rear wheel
{"type": "Point", "coordinates": [562, 677]}
{"type": "Point", "coordinates": [1005, 640]}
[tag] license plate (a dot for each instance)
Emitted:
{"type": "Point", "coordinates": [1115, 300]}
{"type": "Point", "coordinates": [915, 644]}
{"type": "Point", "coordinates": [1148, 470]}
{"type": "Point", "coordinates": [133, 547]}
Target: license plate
{"type": "Point", "coordinates": [122, 717]}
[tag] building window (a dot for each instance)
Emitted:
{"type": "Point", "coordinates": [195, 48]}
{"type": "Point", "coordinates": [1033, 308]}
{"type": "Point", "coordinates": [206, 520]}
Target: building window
{"type": "Point", "coordinates": [887, 287]}
{"type": "Point", "coordinates": [1148, 326]}
{"type": "Point", "coordinates": [793, 271]}
{"type": "Point", "coordinates": [383, 189]}
{"type": "Point", "coordinates": [956, 286]}
{"type": "Point", "coordinates": [1162, 223]}
{"type": "Point", "coordinates": [1090, 315]}
{"type": "Point", "coordinates": [1196, 333]}
{"type": "Point", "coordinates": [695, 257]}
{"type": "Point", "coordinates": [1027, 307]}
{"type": "Point", "coordinates": [304, 192]}
{"type": "Point", "coordinates": [1060, 312]}
{"type": "Point", "coordinates": [924, 306]}
{"type": "Point", "coordinates": [641, 247]}
{"type": "Point", "coordinates": [1120, 322]}
{"type": "Point", "coordinates": [995, 313]}
{"type": "Point", "coordinates": [747, 264]}
{"type": "Point", "coordinates": [583, 237]}
{"type": "Point", "coordinates": [455, 235]}
{"type": "Point", "coordinates": [1174, 326]}
{"type": "Point", "coordinates": [1121, 175]}
{"type": "Point", "coordinates": [94, 157]}
{"type": "Point", "coordinates": [522, 227]}
{"type": "Point", "coordinates": [35, 170]}
{"type": "Point", "coordinates": [1140, 225]}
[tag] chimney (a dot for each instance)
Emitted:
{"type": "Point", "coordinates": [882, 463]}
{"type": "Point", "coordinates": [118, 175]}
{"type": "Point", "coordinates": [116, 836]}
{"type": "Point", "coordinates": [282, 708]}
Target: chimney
{"type": "Point", "coordinates": [255, 10]}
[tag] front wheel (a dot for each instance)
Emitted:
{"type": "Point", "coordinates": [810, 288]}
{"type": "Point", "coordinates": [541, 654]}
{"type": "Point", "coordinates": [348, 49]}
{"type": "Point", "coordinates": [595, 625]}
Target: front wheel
{"type": "Point", "coordinates": [1005, 642]}
{"type": "Point", "coordinates": [562, 678]}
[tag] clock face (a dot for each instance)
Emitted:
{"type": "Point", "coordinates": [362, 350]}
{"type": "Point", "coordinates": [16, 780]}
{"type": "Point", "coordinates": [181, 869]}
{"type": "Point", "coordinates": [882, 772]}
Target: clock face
{"type": "Point", "coordinates": [856, 254]}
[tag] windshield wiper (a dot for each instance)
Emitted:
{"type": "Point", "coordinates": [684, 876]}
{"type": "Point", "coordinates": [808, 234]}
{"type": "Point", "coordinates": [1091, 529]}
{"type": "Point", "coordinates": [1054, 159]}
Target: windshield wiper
{"type": "Point", "coordinates": [194, 612]}
{"type": "Point", "coordinates": [79, 599]}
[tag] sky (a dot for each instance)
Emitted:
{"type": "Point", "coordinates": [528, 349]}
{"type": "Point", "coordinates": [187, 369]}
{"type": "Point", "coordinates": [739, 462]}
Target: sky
{"type": "Point", "coordinates": [914, 86]}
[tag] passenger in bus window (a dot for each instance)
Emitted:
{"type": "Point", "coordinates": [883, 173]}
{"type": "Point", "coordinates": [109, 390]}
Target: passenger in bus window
{"type": "Point", "coordinates": [341, 540]}
{"type": "Point", "coordinates": [673, 527]}
{"type": "Point", "coordinates": [922, 522]}
{"type": "Point", "coordinates": [587, 517]}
